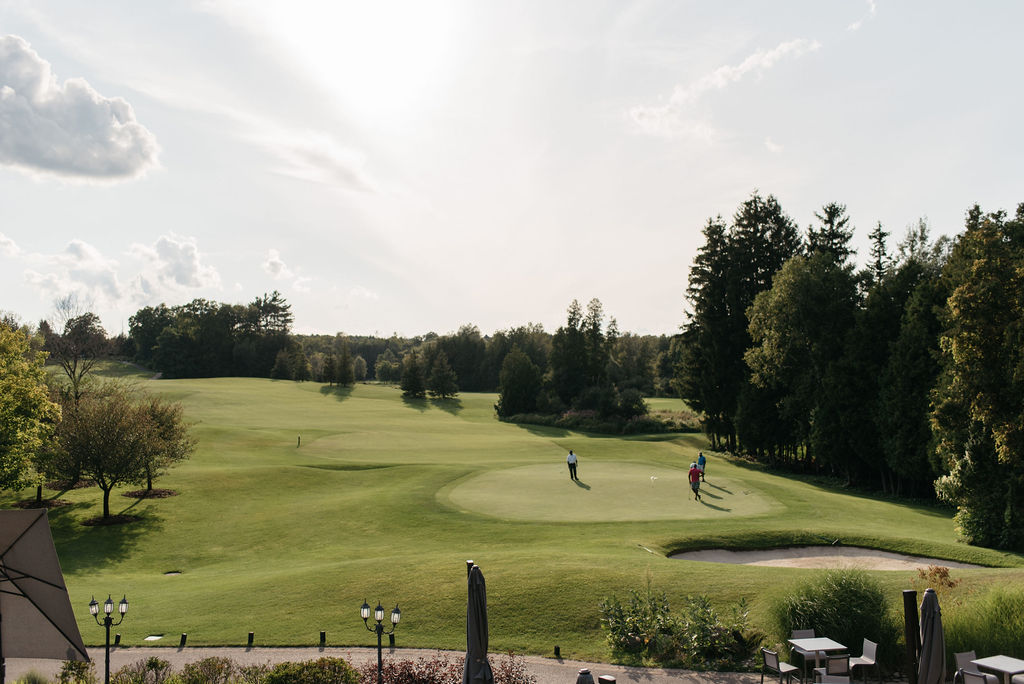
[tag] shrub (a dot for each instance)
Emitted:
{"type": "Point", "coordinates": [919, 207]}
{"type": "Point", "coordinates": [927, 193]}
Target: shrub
{"type": "Point", "coordinates": [644, 628]}
{"type": "Point", "coordinates": [77, 672]}
{"type": "Point", "coordinates": [442, 669]}
{"type": "Point", "coordinates": [153, 670]}
{"type": "Point", "coordinates": [320, 671]}
{"type": "Point", "coordinates": [33, 677]}
{"type": "Point", "coordinates": [211, 670]}
{"type": "Point", "coordinates": [845, 605]}
{"type": "Point", "coordinates": [991, 623]}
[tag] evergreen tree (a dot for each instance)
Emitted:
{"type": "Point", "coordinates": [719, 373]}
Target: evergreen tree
{"type": "Point", "coordinates": [879, 257]}
{"type": "Point", "coordinates": [299, 365]}
{"type": "Point", "coordinates": [442, 382]}
{"type": "Point", "coordinates": [569, 360]}
{"type": "Point", "coordinates": [282, 369]}
{"type": "Point", "coordinates": [343, 371]}
{"type": "Point", "coordinates": [359, 368]}
{"type": "Point", "coordinates": [413, 381]}
{"type": "Point", "coordinates": [979, 402]}
{"type": "Point", "coordinates": [832, 237]}
{"type": "Point", "coordinates": [330, 370]}
{"type": "Point", "coordinates": [520, 384]}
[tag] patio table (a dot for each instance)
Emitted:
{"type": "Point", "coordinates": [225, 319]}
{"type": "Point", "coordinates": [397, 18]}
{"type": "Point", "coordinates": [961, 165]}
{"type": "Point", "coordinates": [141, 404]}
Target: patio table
{"type": "Point", "coordinates": [1005, 664]}
{"type": "Point", "coordinates": [817, 645]}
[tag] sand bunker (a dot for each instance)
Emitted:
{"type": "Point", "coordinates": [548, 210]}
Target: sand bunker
{"type": "Point", "coordinates": [820, 557]}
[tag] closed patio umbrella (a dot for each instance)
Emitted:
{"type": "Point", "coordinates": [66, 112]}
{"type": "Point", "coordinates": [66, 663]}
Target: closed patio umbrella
{"type": "Point", "coordinates": [36, 620]}
{"type": "Point", "coordinates": [931, 668]}
{"type": "Point", "coordinates": [476, 670]}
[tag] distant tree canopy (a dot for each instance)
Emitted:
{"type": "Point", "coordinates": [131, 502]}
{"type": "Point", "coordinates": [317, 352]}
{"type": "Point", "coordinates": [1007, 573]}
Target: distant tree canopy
{"type": "Point", "coordinates": [207, 339]}
{"type": "Point", "coordinates": [904, 376]}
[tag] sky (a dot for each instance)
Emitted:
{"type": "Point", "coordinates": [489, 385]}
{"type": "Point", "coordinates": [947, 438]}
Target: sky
{"type": "Point", "coordinates": [406, 167]}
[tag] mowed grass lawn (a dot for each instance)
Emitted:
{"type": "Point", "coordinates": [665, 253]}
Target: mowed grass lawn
{"type": "Point", "coordinates": [385, 499]}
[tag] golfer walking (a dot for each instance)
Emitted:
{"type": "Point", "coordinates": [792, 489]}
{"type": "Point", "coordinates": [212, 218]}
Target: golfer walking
{"type": "Point", "coordinates": [695, 481]}
{"type": "Point", "coordinates": [571, 460]}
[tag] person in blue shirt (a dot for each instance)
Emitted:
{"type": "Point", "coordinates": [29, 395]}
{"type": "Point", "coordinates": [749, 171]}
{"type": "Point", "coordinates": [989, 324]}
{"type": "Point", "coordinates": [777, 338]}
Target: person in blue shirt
{"type": "Point", "coordinates": [701, 462]}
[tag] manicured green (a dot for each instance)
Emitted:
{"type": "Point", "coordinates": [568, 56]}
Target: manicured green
{"type": "Point", "coordinates": [386, 498]}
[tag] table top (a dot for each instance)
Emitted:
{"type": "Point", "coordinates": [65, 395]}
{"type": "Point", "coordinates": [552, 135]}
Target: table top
{"type": "Point", "coordinates": [1001, 663]}
{"type": "Point", "coordinates": [817, 644]}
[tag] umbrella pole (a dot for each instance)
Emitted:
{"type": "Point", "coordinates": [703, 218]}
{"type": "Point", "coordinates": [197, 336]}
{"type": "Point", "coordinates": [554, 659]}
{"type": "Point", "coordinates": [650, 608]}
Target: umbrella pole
{"type": "Point", "coordinates": [3, 661]}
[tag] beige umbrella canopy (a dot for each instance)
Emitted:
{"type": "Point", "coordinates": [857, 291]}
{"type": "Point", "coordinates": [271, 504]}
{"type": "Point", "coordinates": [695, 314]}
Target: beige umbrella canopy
{"type": "Point", "coordinates": [36, 620]}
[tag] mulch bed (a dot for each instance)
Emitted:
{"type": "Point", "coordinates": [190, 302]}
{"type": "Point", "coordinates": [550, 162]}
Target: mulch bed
{"type": "Point", "coordinates": [63, 486]}
{"type": "Point", "coordinates": [45, 503]}
{"type": "Point", "coordinates": [150, 493]}
{"type": "Point", "coordinates": [112, 520]}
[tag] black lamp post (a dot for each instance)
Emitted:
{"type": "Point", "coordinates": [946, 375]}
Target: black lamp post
{"type": "Point", "coordinates": [378, 616]}
{"type": "Point", "coordinates": [108, 622]}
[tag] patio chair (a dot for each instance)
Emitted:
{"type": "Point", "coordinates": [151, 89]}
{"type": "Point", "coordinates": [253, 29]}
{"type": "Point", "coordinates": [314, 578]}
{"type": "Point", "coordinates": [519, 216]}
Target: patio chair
{"type": "Point", "coordinates": [774, 665]}
{"type": "Point", "coordinates": [835, 665]}
{"type": "Point", "coordinates": [964, 665]}
{"type": "Point", "coordinates": [868, 658]}
{"type": "Point", "coordinates": [968, 677]}
{"type": "Point", "coordinates": [804, 654]}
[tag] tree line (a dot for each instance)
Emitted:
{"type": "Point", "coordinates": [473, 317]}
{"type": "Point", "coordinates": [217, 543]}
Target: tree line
{"type": "Point", "coordinates": [902, 376]}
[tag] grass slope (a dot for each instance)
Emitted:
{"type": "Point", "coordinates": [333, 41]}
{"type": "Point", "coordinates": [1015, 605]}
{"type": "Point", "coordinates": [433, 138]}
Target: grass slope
{"type": "Point", "coordinates": [386, 498]}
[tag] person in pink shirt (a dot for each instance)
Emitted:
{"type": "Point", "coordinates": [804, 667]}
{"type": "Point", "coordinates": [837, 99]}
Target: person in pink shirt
{"type": "Point", "coordinates": [695, 481]}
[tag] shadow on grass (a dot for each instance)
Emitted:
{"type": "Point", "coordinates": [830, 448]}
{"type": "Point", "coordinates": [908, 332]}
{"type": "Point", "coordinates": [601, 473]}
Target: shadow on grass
{"type": "Point", "coordinates": [705, 483]}
{"type": "Point", "coordinates": [705, 492]}
{"type": "Point", "coordinates": [543, 430]}
{"type": "Point", "coordinates": [85, 548]}
{"type": "Point", "coordinates": [418, 403]}
{"type": "Point", "coordinates": [717, 508]}
{"type": "Point", "coordinates": [582, 485]}
{"type": "Point", "coordinates": [341, 393]}
{"type": "Point", "coordinates": [452, 406]}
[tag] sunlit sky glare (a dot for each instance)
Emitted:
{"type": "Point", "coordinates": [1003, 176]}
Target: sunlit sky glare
{"type": "Point", "coordinates": [416, 166]}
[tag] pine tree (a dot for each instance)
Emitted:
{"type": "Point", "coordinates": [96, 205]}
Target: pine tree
{"type": "Point", "coordinates": [413, 382]}
{"type": "Point", "coordinates": [442, 382]}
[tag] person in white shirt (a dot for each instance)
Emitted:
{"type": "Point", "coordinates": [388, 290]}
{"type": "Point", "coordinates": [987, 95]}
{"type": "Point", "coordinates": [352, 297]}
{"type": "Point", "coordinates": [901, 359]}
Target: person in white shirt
{"type": "Point", "coordinates": [571, 460]}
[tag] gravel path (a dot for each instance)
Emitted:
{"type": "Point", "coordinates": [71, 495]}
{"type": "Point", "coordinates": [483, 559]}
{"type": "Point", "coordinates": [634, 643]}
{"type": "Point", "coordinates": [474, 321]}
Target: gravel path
{"type": "Point", "coordinates": [547, 670]}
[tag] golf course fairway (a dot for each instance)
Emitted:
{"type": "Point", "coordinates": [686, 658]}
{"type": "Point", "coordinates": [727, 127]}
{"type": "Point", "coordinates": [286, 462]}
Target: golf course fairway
{"type": "Point", "coordinates": [386, 498]}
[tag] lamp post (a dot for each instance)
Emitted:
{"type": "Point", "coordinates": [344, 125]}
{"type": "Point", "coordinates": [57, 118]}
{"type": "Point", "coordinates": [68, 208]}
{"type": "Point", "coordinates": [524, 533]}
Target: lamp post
{"type": "Point", "coordinates": [108, 622]}
{"type": "Point", "coordinates": [378, 616]}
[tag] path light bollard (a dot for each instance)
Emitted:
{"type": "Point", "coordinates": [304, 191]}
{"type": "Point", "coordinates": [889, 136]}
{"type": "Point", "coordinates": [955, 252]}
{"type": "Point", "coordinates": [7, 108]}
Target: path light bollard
{"type": "Point", "coordinates": [584, 677]}
{"type": "Point", "coordinates": [606, 679]}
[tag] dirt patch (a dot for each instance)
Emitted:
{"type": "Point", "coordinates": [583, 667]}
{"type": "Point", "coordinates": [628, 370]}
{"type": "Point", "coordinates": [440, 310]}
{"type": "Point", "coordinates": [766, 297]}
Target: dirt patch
{"type": "Point", "coordinates": [150, 493]}
{"type": "Point", "coordinates": [45, 503]}
{"type": "Point", "coordinates": [820, 557]}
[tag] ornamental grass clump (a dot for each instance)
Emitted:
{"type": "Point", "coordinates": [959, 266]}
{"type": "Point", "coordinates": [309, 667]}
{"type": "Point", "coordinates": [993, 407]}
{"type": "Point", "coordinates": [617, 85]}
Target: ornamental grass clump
{"type": "Point", "coordinates": [989, 624]}
{"type": "Point", "coordinates": [847, 606]}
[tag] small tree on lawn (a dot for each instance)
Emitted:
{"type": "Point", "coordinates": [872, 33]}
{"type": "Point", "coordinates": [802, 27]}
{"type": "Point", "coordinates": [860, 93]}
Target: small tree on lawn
{"type": "Point", "coordinates": [171, 441]}
{"type": "Point", "coordinates": [520, 384]}
{"type": "Point", "coordinates": [413, 382]}
{"type": "Point", "coordinates": [442, 383]}
{"type": "Point", "coordinates": [109, 436]}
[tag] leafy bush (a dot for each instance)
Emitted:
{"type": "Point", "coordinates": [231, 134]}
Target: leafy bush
{"type": "Point", "coordinates": [320, 671]}
{"type": "Point", "coordinates": [645, 629]}
{"type": "Point", "coordinates": [991, 623]}
{"type": "Point", "coordinates": [845, 605]}
{"type": "Point", "coordinates": [77, 672]}
{"type": "Point", "coordinates": [213, 670]}
{"type": "Point", "coordinates": [153, 670]}
{"type": "Point", "coordinates": [442, 669]}
{"type": "Point", "coordinates": [33, 677]}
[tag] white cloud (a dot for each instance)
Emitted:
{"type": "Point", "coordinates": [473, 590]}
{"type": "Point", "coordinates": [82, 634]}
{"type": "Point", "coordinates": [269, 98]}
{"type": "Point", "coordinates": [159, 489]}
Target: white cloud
{"type": "Point", "coordinates": [275, 266]}
{"type": "Point", "coordinates": [174, 266]}
{"type": "Point", "coordinates": [772, 146]}
{"type": "Point", "coordinates": [8, 247]}
{"type": "Point", "coordinates": [80, 269]}
{"type": "Point", "coordinates": [65, 129]}
{"type": "Point", "coordinates": [872, 11]}
{"type": "Point", "coordinates": [317, 158]}
{"type": "Point", "coordinates": [676, 118]}
{"type": "Point", "coordinates": [302, 284]}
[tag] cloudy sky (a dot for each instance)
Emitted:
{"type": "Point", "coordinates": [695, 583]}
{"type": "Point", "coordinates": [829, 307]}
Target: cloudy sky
{"type": "Point", "coordinates": [415, 166]}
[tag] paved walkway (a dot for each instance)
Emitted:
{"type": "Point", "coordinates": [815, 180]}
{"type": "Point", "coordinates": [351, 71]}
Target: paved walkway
{"type": "Point", "coordinates": [547, 670]}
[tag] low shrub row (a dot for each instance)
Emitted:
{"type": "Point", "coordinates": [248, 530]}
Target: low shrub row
{"type": "Point", "coordinates": [439, 669]}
